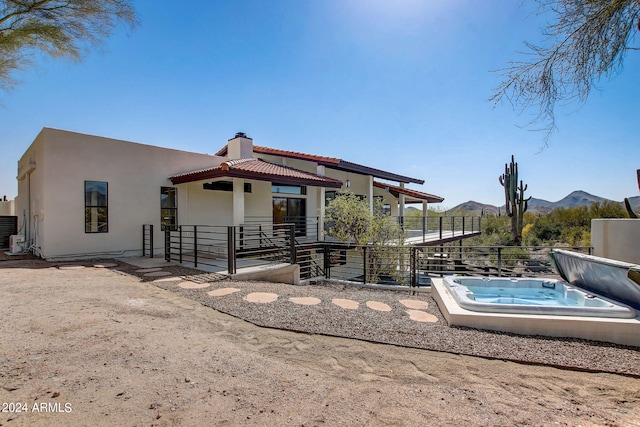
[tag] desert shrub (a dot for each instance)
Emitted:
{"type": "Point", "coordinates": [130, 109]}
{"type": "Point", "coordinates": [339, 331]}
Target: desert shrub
{"type": "Point", "coordinates": [510, 256]}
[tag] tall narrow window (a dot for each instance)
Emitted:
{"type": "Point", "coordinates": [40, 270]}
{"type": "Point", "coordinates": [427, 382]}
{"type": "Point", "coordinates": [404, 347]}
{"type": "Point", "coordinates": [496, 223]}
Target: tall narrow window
{"type": "Point", "coordinates": [96, 211]}
{"type": "Point", "coordinates": [168, 207]}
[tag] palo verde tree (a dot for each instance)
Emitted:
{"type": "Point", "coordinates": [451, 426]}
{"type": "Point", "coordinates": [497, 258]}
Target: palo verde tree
{"type": "Point", "coordinates": [583, 42]}
{"type": "Point", "coordinates": [515, 203]}
{"type": "Point", "coordinates": [374, 233]}
{"type": "Point", "coordinates": [59, 28]}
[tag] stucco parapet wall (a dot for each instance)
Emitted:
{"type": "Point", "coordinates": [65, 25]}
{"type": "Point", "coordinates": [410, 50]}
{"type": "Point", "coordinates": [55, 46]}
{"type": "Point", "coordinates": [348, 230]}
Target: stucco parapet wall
{"type": "Point", "coordinates": [280, 273]}
{"type": "Point", "coordinates": [616, 238]}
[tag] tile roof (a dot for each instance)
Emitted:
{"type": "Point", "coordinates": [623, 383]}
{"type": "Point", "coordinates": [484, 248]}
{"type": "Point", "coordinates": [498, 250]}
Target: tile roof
{"type": "Point", "coordinates": [259, 170]}
{"type": "Point", "coordinates": [332, 162]}
{"type": "Point", "coordinates": [396, 191]}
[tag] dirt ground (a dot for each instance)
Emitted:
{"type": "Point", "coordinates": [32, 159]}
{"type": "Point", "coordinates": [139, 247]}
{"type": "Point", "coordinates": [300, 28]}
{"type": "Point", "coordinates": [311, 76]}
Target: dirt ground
{"type": "Point", "coordinates": [91, 346]}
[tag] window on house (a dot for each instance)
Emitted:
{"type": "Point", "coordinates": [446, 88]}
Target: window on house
{"type": "Point", "coordinates": [96, 211]}
{"type": "Point", "coordinates": [168, 207]}
{"type": "Point", "coordinates": [224, 186]}
{"type": "Point", "coordinates": [288, 189]}
{"type": "Point", "coordinates": [328, 197]}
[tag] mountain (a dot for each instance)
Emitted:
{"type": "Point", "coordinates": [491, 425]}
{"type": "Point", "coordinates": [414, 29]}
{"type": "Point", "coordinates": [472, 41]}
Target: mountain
{"type": "Point", "coordinates": [578, 198]}
{"type": "Point", "coordinates": [540, 206]}
{"type": "Point", "coordinates": [471, 208]}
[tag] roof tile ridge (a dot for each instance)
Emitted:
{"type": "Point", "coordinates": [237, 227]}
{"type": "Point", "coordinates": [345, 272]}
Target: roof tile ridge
{"type": "Point", "coordinates": [262, 148]}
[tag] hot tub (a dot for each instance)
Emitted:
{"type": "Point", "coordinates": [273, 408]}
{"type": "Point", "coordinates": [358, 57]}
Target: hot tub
{"type": "Point", "coordinates": [532, 296]}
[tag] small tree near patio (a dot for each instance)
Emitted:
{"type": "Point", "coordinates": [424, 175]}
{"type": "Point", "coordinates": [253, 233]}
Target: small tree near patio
{"type": "Point", "coordinates": [376, 233]}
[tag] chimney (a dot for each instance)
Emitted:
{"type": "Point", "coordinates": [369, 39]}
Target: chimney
{"type": "Point", "coordinates": [240, 147]}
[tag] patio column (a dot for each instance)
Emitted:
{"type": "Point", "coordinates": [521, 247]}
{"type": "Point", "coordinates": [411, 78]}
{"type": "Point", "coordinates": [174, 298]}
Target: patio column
{"type": "Point", "coordinates": [370, 194]}
{"type": "Point", "coordinates": [401, 202]}
{"type": "Point", "coordinates": [238, 201]}
{"type": "Point", "coordinates": [425, 214]}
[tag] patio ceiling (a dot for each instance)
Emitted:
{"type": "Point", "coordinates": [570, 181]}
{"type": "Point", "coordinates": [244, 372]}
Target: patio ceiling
{"type": "Point", "coordinates": [412, 195]}
{"type": "Point", "coordinates": [259, 170]}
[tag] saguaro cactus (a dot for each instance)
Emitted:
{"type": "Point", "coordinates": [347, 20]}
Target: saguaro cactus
{"type": "Point", "coordinates": [515, 203]}
{"type": "Point", "coordinates": [627, 204]}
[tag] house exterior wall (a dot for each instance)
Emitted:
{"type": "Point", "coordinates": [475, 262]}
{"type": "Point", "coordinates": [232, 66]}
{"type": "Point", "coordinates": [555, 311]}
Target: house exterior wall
{"type": "Point", "coordinates": [52, 174]}
{"type": "Point", "coordinates": [387, 198]}
{"type": "Point", "coordinates": [197, 206]}
{"type": "Point", "coordinates": [303, 165]}
{"type": "Point", "coordinates": [7, 208]}
{"type": "Point", "coordinates": [30, 199]}
{"type": "Point", "coordinates": [617, 239]}
{"type": "Point", "coordinates": [258, 203]}
{"type": "Point", "coordinates": [134, 173]}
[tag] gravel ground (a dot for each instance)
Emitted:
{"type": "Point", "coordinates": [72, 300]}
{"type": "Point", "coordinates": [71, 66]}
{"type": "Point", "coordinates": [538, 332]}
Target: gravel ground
{"type": "Point", "coordinates": [393, 327]}
{"type": "Point", "coordinates": [107, 346]}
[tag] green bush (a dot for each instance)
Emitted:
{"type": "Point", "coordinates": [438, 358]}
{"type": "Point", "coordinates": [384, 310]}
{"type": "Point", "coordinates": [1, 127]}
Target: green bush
{"type": "Point", "coordinates": [510, 256]}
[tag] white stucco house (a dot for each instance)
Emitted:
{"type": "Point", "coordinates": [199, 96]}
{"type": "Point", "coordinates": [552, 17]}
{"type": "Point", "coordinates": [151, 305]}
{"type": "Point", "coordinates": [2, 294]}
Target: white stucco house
{"type": "Point", "coordinates": [86, 196]}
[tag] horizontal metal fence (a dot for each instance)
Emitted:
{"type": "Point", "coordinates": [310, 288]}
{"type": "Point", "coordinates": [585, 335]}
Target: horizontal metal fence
{"type": "Point", "coordinates": [449, 226]}
{"type": "Point", "coordinates": [306, 228]}
{"type": "Point", "coordinates": [415, 265]}
{"type": "Point", "coordinates": [224, 246]}
{"type": "Point", "coordinates": [258, 244]}
{"type": "Point", "coordinates": [147, 240]}
{"type": "Point", "coordinates": [309, 228]}
{"type": "Point", "coordinates": [501, 261]}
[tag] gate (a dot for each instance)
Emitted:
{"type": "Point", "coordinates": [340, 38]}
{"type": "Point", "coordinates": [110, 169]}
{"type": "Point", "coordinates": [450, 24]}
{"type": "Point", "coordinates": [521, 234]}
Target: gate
{"type": "Point", "coordinates": [8, 227]}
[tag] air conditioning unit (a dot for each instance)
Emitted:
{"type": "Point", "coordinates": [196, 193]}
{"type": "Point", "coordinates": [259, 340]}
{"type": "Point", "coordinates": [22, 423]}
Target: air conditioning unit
{"type": "Point", "coordinates": [16, 242]}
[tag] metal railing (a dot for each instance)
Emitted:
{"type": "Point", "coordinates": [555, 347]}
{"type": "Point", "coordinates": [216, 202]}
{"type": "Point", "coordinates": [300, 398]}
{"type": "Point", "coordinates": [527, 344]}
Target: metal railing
{"type": "Point", "coordinates": [310, 258]}
{"type": "Point", "coordinates": [258, 244]}
{"type": "Point", "coordinates": [147, 240]}
{"type": "Point", "coordinates": [444, 226]}
{"type": "Point", "coordinates": [501, 261]}
{"type": "Point", "coordinates": [387, 265]}
{"type": "Point", "coordinates": [223, 246]}
{"type": "Point", "coordinates": [415, 265]}
{"type": "Point", "coordinates": [309, 228]}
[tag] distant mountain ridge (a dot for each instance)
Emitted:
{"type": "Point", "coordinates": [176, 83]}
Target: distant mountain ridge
{"type": "Point", "coordinates": [574, 199]}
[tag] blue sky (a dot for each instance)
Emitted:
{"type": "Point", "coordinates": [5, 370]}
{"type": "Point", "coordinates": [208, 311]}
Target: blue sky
{"type": "Point", "coordinates": [399, 85]}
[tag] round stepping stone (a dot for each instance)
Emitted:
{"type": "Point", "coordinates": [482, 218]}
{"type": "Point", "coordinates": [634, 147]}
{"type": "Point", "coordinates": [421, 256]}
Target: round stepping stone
{"type": "Point", "coordinates": [71, 267]}
{"type": "Point", "coordinates": [378, 306]}
{"type": "Point", "coordinates": [106, 265]}
{"type": "Point", "coordinates": [148, 270]}
{"type": "Point", "coordinates": [346, 303]}
{"type": "Point", "coordinates": [223, 291]}
{"type": "Point", "coordinates": [305, 300]}
{"type": "Point", "coordinates": [261, 297]}
{"type": "Point", "coordinates": [193, 285]}
{"type": "Point", "coordinates": [157, 274]}
{"type": "Point", "coordinates": [415, 304]}
{"type": "Point", "coordinates": [168, 279]}
{"type": "Point", "coordinates": [136, 302]}
{"type": "Point", "coordinates": [421, 316]}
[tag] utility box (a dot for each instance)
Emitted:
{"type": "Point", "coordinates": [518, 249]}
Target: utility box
{"type": "Point", "coordinates": [16, 243]}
